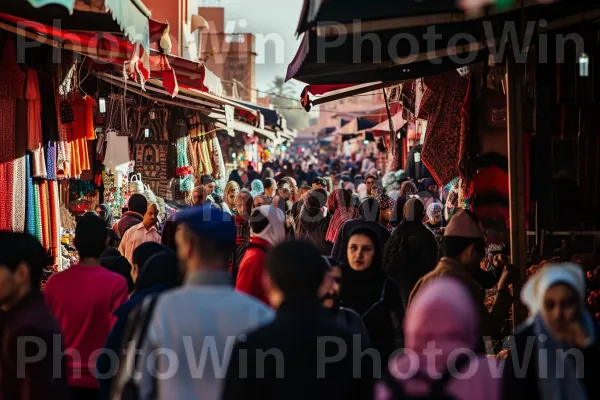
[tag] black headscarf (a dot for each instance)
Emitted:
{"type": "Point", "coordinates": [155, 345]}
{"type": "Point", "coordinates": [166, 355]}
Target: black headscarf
{"type": "Point", "coordinates": [369, 209]}
{"type": "Point", "coordinates": [106, 215]}
{"type": "Point", "coordinates": [144, 251]}
{"type": "Point", "coordinates": [361, 289]}
{"type": "Point", "coordinates": [161, 269]}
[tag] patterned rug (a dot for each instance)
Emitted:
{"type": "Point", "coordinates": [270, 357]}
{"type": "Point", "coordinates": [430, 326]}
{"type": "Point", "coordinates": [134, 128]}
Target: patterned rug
{"type": "Point", "coordinates": [151, 161]}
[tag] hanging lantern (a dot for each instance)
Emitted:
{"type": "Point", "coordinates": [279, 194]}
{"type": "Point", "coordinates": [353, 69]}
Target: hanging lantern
{"type": "Point", "coordinates": [584, 65]}
{"type": "Point", "coordinates": [152, 114]}
{"type": "Point", "coordinates": [147, 132]}
{"type": "Point", "coordinates": [102, 105]}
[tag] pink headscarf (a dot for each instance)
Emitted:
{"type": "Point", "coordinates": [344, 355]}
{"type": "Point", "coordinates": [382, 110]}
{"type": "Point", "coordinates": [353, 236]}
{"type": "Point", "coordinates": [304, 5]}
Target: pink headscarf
{"type": "Point", "coordinates": [443, 312]}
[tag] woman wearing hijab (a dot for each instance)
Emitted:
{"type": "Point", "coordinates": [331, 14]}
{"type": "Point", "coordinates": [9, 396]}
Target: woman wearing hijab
{"type": "Point", "coordinates": [386, 207]}
{"type": "Point", "coordinates": [339, 206]}
{"type": "Point", "coordinates": [268, 230]}
{"type": "Point", "coordinates": [443, 313]}
{"type": "Point", "coordinates": [141, 254]}
{"type": "Point", "coordinates": [104, 212]}
{"type": "Point", "coordinates": [198, 196]}
{"type": "Point", "coordinates": [434, 220]}
{"type": "Point", "coordinates": [158, 274]}
{"type": "Point", "coordinates": [257, 188]}
{"type": "Point", "coordinates": [563, 333]}
{"type": "Point", "coordinates": [407, 190]}
{"type": "Point", "coordinates": [361, 190]}
{"type": "Point", "coordinates": [232, 189]}
{"type": "Point", "coordinates": [367, 290]}
{"type": "Point", "coordinates": [312, 223]}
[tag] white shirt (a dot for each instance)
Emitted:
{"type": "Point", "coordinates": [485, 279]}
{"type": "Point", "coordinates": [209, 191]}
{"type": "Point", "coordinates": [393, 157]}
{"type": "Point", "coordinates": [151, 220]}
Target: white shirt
{"type": "Point", "coordinates": [197, 325]}
{"type": "Point", "coordinates": [135, 236]}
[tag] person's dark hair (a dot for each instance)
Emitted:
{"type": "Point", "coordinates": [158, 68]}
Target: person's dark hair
{"type": "Point", "coordinates": [370, 176]}
{"type": "Point", "coordinates": [90, 236]}
{"type": "Point", "coordinates": [320, 181]}
{"type": "Point", "coordinates": [146, 250]}
{"type": "Point", "coordinates": [269, 183]}
{"type": "Point", "coordinates": [160, 269]}
{"type": "Point", "coordinates": [138, 203]}
{"type": "Point", "coordinates": [369, 209]}
{"type": "Point", "coordinates": [453, 246]}
{"type": "Point", "coordinates": [305, 188]}
{"type": "Point", "coordinates": [250, 168]}
{"type": "Point", "coordinates": [297, 268]}
{"type": "Point", "coordinates": [258, 222]}
{"type": "Point", "coordinates": [248, 200]}
{"type": "Point", "coordinates": [17, 248]}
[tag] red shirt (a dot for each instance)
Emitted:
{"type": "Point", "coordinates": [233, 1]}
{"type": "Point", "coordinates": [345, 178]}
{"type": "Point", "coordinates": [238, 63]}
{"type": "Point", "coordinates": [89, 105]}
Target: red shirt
{"type": "Point", "coordinates": [252, 267]}
{"type": "Point", "coordinates": [82, 299]}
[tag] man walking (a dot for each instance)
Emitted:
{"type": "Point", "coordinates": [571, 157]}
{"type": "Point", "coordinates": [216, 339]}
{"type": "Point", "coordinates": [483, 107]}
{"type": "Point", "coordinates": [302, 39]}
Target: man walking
{"type": "Point", "coordinates": [206, 314]}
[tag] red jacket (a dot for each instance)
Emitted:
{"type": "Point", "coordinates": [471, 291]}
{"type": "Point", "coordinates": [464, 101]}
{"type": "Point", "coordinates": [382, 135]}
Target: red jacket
{"type": "Point", "coordinates": [249, 278]}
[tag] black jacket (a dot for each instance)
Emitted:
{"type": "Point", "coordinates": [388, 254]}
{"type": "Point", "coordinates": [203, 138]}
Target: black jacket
{"type": "Point", "coordinates": [341, 243]}
{"type": "Point", "coordinates": [410, 253]}
{"type": "Point", "coordinates": [525, 386]}
{"type": "Point", "coordinates": [297, 365]}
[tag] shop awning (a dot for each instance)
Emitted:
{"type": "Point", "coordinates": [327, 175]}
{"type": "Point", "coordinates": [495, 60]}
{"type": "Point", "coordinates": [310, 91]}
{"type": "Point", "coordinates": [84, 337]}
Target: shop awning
{"type": "Point", "coordinates": [384, 127]}
{"type": "Point", "coordinates": [176, 72]}
{"type": "Point", "coordinates": [127, 17]}
{"type": "Point", "coordinates": [326, 57]}
{"type": "Point", "coordinates": [353, 126]}
{"type": "Point", "coordinates": [272, 117]}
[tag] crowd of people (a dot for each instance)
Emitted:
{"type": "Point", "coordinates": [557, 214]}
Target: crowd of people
{"type": "Point", "coordinates": [320, 280]}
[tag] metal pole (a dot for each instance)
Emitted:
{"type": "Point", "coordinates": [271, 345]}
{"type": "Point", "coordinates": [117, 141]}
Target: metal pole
{"type": "Point", "coordinates": [515, 80]}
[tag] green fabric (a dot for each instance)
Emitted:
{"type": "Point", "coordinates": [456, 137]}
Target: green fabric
{"type": "Point", "coordinates": [68, 4]}
{"type": "Point", "coordinates": [132, 17]}
{"type": "Point", "coordinates": [37, 213]}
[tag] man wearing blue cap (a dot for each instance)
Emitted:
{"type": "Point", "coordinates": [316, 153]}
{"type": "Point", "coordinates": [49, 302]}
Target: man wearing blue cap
{"type": "Point", "coordinates": [198, 323]}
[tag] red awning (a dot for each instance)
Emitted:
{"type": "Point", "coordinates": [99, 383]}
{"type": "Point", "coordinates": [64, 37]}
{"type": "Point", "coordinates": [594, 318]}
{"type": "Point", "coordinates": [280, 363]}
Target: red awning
{"type": "Point", "coordinates": [114, 49]}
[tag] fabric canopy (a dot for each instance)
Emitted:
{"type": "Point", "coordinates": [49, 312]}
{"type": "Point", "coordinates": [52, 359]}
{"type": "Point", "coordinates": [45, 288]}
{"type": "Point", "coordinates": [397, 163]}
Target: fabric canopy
{"type": "Point", "coordinates": [131, 16]}
{"type": "Point", "coordinates": [384, 127]}
{"type": "Point", "coordinates": [401, 32]}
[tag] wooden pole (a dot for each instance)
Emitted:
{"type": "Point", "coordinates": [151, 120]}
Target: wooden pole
{"type": "Point", "coordinates": [515, 81]}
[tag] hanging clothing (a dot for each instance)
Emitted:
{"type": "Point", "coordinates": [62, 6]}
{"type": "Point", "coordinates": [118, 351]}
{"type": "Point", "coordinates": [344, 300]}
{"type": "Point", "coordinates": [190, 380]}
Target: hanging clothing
{"type": "Point", "coordinates": [117, 149]}
{"type": "Point", "coordinates": [49, 110]}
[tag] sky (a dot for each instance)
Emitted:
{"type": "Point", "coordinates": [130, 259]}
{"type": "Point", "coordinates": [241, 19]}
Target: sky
{"type": "Point", "coordinates": [266, 19]}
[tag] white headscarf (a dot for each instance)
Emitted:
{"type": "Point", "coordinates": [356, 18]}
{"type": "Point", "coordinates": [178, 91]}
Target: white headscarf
{"type": "Point", "coordinates": [535, 288]}
{"type": "Point", "coordinates": [274, 232]}
{"type": "Point", "coordinates": [567, 386]}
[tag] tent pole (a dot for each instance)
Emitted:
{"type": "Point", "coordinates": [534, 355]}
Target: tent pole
{"type": "Point", "coordinates": [515, 80]}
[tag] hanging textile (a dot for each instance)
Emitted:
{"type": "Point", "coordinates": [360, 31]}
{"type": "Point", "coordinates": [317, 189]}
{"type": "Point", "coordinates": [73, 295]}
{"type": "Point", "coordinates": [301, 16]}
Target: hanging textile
{"type": "Point", "coordinates": [34, 110]}
{"type": "Point", "coordinates": [444, 105]}
{"type": "Point", "coordinates": [117, 115]}
{"type": "Point", "coordinates": [178, 128]}
{"type": "Point", "coordinates": [30, 207]}
{"type": "Point", "coordinates": [37, 212]}
{"type": "Point", "coordinates": [51, 161]}
{"type": "Point", "coordinates": [49, 110]}
{"type": "Point", "coordinates": [19, 194]}
{"type": "Point", "coordinates": [54, 207]}
{"type": "Point", "coordinates": [44, 217]}
{"type": "Point", "coordinates": [38, 163]}
{"type": "Point", "coordinates": [63, 148]}
{"type": "Point", "coordinates": [117, 149]}
{"type": "Point", "coordinates": [151, 161]}
{"type": "Point", "coordinates": [12, 81]}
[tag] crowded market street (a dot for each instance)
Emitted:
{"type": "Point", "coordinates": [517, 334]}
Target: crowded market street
{"type": "Point", "coordinates": [309, 199]}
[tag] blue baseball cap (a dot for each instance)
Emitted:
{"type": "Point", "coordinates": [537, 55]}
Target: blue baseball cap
{"type": "Point", "coordinates": [210, 223]}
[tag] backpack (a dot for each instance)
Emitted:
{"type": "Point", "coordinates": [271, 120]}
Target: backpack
{"type": "Point", "coordinates": [438, 386]}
